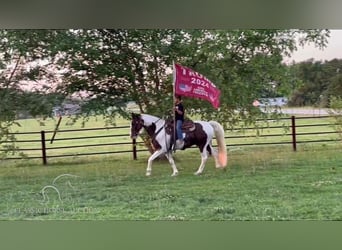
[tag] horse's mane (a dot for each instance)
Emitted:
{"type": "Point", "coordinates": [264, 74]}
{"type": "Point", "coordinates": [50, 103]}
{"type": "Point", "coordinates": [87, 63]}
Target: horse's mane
{"type": "Point", "coordinates": [151, 118]}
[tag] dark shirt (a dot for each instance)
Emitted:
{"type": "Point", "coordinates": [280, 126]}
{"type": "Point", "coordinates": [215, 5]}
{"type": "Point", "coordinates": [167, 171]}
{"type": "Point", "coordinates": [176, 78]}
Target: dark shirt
{"type": "Point", "coordinates": [179, 116]}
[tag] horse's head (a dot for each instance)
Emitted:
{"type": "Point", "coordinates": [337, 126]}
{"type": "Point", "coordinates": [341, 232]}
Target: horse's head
{"type": "Point", "coordinates": [136, 125]}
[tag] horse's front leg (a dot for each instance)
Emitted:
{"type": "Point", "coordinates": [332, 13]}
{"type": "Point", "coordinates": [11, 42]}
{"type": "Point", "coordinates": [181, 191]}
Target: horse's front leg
{"type": "Point", "coordinates": [151, 159]}
{"type": "Point", "coordinates": [172, 163]}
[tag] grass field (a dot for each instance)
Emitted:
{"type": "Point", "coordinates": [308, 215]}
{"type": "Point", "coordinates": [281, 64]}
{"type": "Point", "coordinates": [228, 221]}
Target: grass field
{"type": "Point", "coordinates": [260, 182]}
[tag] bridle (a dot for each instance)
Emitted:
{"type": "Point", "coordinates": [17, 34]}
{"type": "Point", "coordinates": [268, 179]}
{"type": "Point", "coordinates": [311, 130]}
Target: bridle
{"type": "Point", "coordinates": [158, 131]}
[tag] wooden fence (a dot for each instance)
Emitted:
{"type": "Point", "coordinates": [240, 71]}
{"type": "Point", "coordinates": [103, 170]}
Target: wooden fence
{"type": "Point", "coordinates": [291, 131]}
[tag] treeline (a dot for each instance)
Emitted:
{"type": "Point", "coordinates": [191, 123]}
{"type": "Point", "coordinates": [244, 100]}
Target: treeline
{"type": "Point", "coordinates": [318, 82]}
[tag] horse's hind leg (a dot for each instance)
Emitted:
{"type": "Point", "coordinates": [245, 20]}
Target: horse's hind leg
{"type": "Point", "coordinates": [204, 156]}
{"type": "Point", "coordinates": [215, 155]}
{"type": "Point", "coordinates": [172, 163]}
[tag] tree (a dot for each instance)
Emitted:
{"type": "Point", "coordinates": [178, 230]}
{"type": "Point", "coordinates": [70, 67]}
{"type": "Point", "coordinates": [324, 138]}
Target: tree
{"type": "Point", "coordinates": [21, 52]}
{"type": "Point", "coordinates": [319, 82]}
{"type": "Point", "coordinates": [116, 66]}
{"type": "Point", "coordinates": [111, 67]}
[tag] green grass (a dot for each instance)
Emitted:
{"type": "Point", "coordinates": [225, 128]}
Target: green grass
{"type": "Point", "coordinates": [260, 183]}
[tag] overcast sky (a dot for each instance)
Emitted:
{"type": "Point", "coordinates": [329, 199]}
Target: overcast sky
{"type": "Point", "coordinates": [333, 50]}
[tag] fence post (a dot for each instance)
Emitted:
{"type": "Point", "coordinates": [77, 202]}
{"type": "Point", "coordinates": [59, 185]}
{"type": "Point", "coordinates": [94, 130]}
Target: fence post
{"type": "Point", "coordinates": [294, 139]}
{"type": "Point", "coordinates": [134, 143]}
{"type": "Point", "coordinates": [42, 135]}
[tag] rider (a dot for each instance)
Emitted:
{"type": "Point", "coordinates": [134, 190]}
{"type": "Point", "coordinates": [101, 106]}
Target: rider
{"type": "Point", "coordinates": [179, 117]}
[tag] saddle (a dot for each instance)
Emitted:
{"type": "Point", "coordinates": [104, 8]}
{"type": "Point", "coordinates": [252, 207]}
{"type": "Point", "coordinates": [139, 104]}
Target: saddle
{"type": "Point", "coordinates": [188, 126]}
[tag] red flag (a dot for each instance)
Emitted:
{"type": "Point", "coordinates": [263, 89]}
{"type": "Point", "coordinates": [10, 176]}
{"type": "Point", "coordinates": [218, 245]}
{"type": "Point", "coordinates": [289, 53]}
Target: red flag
{"type": "Point", "coordinates": [192, 84]}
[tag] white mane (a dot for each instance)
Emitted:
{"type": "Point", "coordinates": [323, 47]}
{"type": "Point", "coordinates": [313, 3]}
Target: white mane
{"type": "Point", "coordinates": [149, 119]}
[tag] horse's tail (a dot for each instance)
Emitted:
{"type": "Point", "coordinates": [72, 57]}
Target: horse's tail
{"type": "Point", "coordinates": [222, 150]}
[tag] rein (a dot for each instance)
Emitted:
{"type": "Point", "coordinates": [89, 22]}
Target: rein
{"type": "Point", "coordinates": [156, 133]}
{"type": "Point", "coordinates": [159, 130]}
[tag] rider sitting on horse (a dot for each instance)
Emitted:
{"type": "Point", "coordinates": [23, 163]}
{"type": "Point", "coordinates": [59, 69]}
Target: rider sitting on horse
{"type": "Point", "coordinates": [179, 117]}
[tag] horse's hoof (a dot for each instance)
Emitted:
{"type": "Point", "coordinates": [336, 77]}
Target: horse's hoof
{"type": "Point", "coordinates": [198, 173]}
{"type": "Point", "coordinates": [148, 173]}
{"type": "Point", "coordinates": [174, 174]}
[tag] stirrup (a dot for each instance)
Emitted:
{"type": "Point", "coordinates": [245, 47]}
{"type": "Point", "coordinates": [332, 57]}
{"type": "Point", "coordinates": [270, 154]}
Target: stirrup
{"type": "Point", "coordinates": [179, 144]}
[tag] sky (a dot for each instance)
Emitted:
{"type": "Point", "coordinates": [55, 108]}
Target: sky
{"type": "Point", "coordinates": [332, 51]}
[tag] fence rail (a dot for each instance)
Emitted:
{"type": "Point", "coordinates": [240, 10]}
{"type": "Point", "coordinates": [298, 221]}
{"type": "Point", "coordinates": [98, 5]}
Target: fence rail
{"type": "Point", "coordinates": [288, 133]}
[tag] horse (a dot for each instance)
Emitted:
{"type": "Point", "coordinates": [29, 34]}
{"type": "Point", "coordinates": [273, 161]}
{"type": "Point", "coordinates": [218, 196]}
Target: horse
{"type": "Point", "coordinates": [162, 133]}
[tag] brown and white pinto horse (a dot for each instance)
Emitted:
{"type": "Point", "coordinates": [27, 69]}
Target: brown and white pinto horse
{"type": "Point", "coordinates": [162, 133]}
